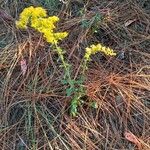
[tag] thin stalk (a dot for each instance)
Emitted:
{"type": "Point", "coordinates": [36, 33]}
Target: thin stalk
{"type": "Point", "coordinates": [65, 65]}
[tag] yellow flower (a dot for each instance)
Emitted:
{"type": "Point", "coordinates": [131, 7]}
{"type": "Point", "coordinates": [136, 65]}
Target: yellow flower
{"type": "Point", "coordinates": [104, 49]}
{"type": "Point", "coordinates": [39, 12]}
{"type": "Point", "coordinates": [93, 48]}
{"type": "Point", "coordinates": [24, 17]}
{"type": "Point", "coordinates": [37, 19]}
{"type": "Point", "coordinates": [21, 24]}
{"type": "Point", "coordinates": [60, 35]}
{"type": "Point", "coordinates": [30, 13]}
{"type": "Point", "coordinates": [42, 24]}
{"type": "Point", "coordinates": [53, 19]}
{"type": "Point", "coordinates": [98, 48]}
{"type": "Point", "coordinates": [35, 23]}
{"type": "Point", "coordinates": [50, 37]}
{"type": "Point", "coordinates": [27, 11]}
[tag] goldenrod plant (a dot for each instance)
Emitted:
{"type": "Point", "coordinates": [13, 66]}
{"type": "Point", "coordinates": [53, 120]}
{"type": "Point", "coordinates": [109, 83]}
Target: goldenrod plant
{"type": "Point", "coordinates": [93, 49]}
{"type": "Point", "coordinates": [37, 18]}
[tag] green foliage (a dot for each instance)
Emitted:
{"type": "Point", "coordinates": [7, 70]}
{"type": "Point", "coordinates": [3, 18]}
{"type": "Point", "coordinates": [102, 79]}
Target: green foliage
{"type": "Point", "coordinates": [92, 23]}
{"type": "Point", "coordinates": [69, 91]}
{"type": "Point", "coordinates": [76, 90]}
{"type": "Point", "coordinates": [94, 105]}
{"type": "Point", "coordinates": [74, 85]}
{"type": "Point", "coordinates": [85, 24]}
{"type": "Point", "coordinates": [76, 101]}
{"type": "Point", "coordinates": [51, 5]}
{"type": "Point", "coordinates": [74, 106]}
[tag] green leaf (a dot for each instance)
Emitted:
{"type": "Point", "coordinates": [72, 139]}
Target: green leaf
{"type": "Point", "coordinates": [72, 82]}
{"type": "Point", "coordinates": [97, 17]}
{"type": "Point", "coordinates": [73, 111]}
{"type": "Point", "coordinates": [74, 106]}
{"type": "Point", "coordinates": [64, 81]}
{"type": "Point", "coordinates": [79, 81]}
{"type": "Point", "coordinates": [94, 105]}
{"type": "Point", "coordinates": [85, 24]}
{"type": "Point", "coordinates": [69, 91]}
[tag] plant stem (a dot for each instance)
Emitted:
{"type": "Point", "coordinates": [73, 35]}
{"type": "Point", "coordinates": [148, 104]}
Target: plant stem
{"type": "Point", "coordinates": [65, 65]}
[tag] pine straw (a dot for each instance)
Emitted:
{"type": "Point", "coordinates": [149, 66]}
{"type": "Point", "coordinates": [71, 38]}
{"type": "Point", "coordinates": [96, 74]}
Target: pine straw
{"type": "Point", "coordinates": [34, 108]}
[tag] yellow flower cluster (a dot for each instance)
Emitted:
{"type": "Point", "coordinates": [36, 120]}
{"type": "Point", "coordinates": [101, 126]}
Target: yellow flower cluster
{"type": "Point", "coordinates": [30, 13]}
{"type": "Point", "coordinates": [98, 48]}
{"type": "Point", "coordinates": [37, 18]}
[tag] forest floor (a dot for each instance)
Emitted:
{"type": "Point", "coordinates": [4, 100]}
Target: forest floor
{"type": "Point", "coordinates": [114, 113]}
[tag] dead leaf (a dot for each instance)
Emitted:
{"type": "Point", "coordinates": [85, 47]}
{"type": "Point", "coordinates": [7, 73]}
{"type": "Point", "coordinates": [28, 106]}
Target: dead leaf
{"type": "Point", "coordinates": [23, 66]}
{"type": "Point", "coordinates": [132, 138]}
{"type": "Point", "coordinates": [129, 22]}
